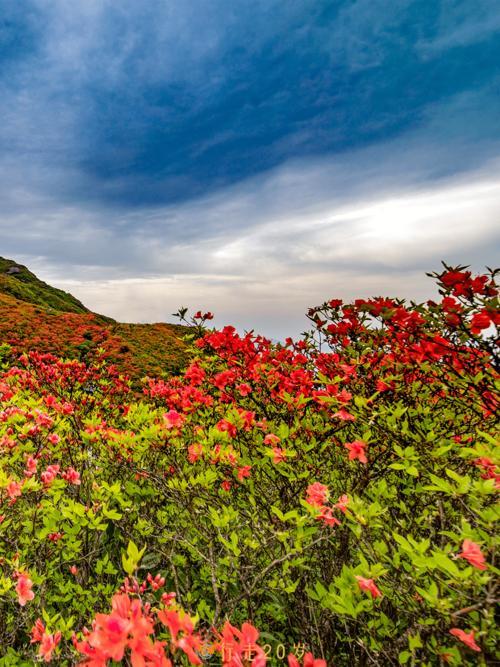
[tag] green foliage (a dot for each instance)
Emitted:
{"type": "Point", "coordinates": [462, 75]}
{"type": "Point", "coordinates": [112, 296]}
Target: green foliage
{"type": "Point", "coordinates": [25, 286]}
{"type": "Point", "coordinates": [327, 493]}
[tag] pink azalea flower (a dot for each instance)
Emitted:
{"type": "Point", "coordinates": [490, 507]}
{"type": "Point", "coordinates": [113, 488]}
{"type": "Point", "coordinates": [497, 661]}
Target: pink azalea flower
{"type": "Point", "coordinates": [369, 586]}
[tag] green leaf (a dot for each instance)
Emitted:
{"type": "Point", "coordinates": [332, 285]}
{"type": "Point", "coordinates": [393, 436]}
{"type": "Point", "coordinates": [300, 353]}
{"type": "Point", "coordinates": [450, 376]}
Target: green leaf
{"type": "Point", "coordinates": [403, 657]}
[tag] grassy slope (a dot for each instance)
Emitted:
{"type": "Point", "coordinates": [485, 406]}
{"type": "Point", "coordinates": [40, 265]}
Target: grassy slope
{"type": "Point", "coordinates": [25, 286]}
{"type": "Point", "coordinates": [34, 315]}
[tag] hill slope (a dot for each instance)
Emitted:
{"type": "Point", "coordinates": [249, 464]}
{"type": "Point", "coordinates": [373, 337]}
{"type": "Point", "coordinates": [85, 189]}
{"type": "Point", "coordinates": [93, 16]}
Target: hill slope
{"type": "Point", "coordinates": [37, 316]}
{"type": "Point", "coordinates": [18, 281]}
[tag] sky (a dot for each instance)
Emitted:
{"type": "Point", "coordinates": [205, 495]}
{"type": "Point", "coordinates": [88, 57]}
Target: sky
{"type": "Point", "coordinates": [252, 158]}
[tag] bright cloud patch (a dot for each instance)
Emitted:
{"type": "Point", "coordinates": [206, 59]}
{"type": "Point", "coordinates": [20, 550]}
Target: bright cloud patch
{"type": "Point", "coordinates": [271, 273]}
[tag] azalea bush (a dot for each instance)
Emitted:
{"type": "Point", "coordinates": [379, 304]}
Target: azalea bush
{"type": "Point", "coordinates": [135, 349]}
{"type": "Point", "coordinates": [330, 500]}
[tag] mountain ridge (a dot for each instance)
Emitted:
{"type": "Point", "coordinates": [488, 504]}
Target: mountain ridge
{"type": "Point", "coordinates": [18, 281]}
{"type": "Point", "coordinates": [36, 316]}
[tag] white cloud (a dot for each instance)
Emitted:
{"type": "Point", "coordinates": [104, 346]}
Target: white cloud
{"type": "Point", "coordinates": [266, 276]}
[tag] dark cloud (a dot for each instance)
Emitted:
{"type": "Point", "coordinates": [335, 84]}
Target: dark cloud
{"type": "Point", "coordinates": [262, 149]}
{"type": "Point", "coordinates": [153, 103]}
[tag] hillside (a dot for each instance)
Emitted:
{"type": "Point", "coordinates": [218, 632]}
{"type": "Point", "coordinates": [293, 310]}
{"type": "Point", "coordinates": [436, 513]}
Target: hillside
{"type": "Point", "coordinates": [18, 281]}
{"type": "Point", "coordinates": [35, 315]}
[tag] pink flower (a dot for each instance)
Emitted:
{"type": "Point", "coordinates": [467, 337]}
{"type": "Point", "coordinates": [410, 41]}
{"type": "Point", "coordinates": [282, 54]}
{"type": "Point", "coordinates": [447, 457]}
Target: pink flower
{"type": "Point", "coordinates": [326, 515]}
{"type": "Point", "coordinates": [472, 552]}
{"type": "Point", "coordinates": [53, 438]}
{"type": "Point", "coordinates": [23, 589]}
{"type": "Point", "coordinates": [37, 631]}
{"type": "Point", "coordinates": [50, 474]}
{"type": "Point", "coordinates": [72, 476]}
{"type": "Point", "coordinates": [271, 439]}
{"type": "Point", "coordinates": [344, 396]}
{"type": "Point", "coordinates": [195, 452]}
{"type": "Point", "coordinates": [369, 586]}
{"type": "Point", "coordinates": [223, 425]}
{"type": "Point", "coordinates": [31, 464]}
{"type": "Point", "coordinates": [279, 455]}
{"type": "Point", "coordinates": [342, 503]}
{"type": "Point", "coordinates": [110, 634]}
{"type": "Point", "coordinates": [344, 415]}
{"type": "Point", "coordinates": [357, 450]}
{"type": "Point", "coordinates": [309, 661]}
{"type": "Point", "coordinates": [240, 646]}
{"type": "Point", "coordinates": [48, 644]}
{"type": "Point", "coordinates": [173, 419]}
{"type": "Point", "coordinates": [243, 472]}
{"type": "Point", "coordinates": [317, 494]}
{"type": "Point", "coordinates": [466, 637]}
{"type": "Point", "coordinates": [14, 490]}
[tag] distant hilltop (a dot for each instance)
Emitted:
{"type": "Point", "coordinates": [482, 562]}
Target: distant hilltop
{"type": "Point", "coordinates": [18, 281]}
{"type": "Point", "coordinates": [37, 316]}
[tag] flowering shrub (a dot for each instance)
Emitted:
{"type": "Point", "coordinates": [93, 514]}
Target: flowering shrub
{"type": "Point", "coordinates": [135, 349]}
{"type": "Point", "coordinates": [334, 497]}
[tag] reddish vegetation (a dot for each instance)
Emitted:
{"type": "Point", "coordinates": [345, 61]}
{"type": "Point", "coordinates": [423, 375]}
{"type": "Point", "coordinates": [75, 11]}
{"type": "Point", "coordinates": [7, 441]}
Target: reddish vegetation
{"type": "Point", "coordinates": [136, 349]}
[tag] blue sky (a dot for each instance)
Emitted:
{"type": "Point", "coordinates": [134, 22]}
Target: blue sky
{"type": "Point", "coordinates": [254, 157]}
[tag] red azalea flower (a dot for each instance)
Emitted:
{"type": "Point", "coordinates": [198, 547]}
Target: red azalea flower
{"type": "Point", "coordinates": [317, 494]}
{"type": "Point", "coordinates": [279, 455]}
{"type": "Point", "coordinates": [480, 321]}
{"type": "Point", "coordinates": [357, 450]}
{"type": "Point", "coordinates": [472, 553]}
{"type": "Point", "coordinates": [466, 637]}
{"type": "Point", "coordinates": [173, 419]}
{"type": "Point", "coordinates": [244, 389]}
{"type": "Point", "coordinates": [369, 586]}
{"type": "Point", "coordinates": [344, 415]}
{"type": "Point", "coordinates": [223, 425]}
{"type": "Point", "coordinates": [271, 439]}
{"type": "Point", "coordinates": [23, 589]}
{"type": "Point", "coordinates": [452, 278]}
{"type": "Point", "coordinates": [243, 472]}
{"type": "Point", "coordinates": [380, 385]}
